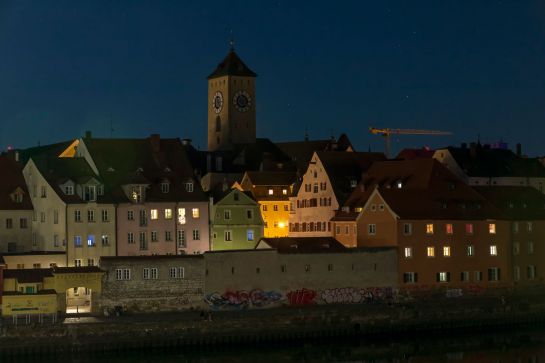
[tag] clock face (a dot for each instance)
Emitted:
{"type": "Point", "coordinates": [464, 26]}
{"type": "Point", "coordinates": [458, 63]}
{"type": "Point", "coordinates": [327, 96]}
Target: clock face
{"type": "Point", "coordinates": [242, 101]}
{"type": "Point", "coordinates": [217, 102]}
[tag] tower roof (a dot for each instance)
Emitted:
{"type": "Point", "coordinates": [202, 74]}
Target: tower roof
{"type": "Point", "coordinates": [232, 65]}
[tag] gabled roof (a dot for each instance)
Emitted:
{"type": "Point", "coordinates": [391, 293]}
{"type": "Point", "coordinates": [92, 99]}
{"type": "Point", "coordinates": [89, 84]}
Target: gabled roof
{"type": "Point", "coordinates": [344, 168]}
{"type": "Point", "coordinates": [483, 161]}
{"type": "Point", "coordinates": [232, 65]}
{"type": "Point", "coordinates": [302, 244]}
{"type": "Point", "coordinates": [12, 180]}
{"type": "Point", "coordinates": [516, 202]}
{"type": "Point", "coordinates": [409, 154]}
{"type": "Point", "coordinates": [52, 150]}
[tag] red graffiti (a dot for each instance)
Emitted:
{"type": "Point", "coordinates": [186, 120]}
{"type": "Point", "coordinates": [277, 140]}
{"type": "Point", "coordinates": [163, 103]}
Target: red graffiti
{"type": "Point", "coordinates": [301, 297]}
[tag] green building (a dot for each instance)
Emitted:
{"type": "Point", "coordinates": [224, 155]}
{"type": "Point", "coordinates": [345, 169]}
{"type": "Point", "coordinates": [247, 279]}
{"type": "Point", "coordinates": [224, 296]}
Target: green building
{"type": "Point", "coordinates": [236, 222]}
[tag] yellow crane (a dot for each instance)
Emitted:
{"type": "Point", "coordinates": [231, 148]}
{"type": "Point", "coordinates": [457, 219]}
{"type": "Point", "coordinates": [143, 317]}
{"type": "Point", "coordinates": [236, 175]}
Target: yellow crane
{"type": "Point", "coordinates": [386, 133]}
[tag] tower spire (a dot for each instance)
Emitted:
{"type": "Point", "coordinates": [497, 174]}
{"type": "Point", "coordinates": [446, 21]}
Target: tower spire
{"type": "Point", "coordinates": [231, 41]}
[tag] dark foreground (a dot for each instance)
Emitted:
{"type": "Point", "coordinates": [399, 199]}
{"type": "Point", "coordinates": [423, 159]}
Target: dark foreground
{"type": "Point", "coordinates": [461, 330]}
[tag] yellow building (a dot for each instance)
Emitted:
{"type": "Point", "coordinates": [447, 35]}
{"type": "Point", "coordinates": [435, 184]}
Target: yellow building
{"type": "Point", "coordinates": [272, 191]}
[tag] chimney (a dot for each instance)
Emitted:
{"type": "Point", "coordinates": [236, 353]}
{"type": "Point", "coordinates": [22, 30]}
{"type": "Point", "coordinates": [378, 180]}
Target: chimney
{"type": "Point", "coordinates": [519, 149]}
{"type": "Point", "coordinates": [88, 134]}
{"type": "Point", "coordinates": [186, 142]}
{"type": "Point", "coordinates": [155, 141]}
{"type": "Point", "coordinates": [16, 156]}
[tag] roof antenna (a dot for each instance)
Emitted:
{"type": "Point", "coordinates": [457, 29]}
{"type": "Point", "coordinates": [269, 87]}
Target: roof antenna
{"type": "Point", "coordinates": [231, 41]}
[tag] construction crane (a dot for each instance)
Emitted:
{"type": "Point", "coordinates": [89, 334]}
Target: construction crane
{"type": "Point", "coordinates": [386, 133]}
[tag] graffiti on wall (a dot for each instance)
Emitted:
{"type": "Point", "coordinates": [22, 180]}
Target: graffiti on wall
{"type": "Point", "coordinates": [241, 299]}
{"type": "Point", "coordinates": [301, 297]}
{"type": "Point", "coordinates": [353, 295]}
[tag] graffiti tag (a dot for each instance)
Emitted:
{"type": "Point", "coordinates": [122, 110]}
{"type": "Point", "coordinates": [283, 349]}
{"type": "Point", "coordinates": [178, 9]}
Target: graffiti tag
{"type": "Point", "coordinates": [242, 299]}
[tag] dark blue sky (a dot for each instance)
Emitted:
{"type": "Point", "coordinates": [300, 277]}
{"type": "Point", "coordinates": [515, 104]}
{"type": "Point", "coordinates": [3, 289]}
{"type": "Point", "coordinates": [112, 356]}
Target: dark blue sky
{"type": "Point", "coordinates": [470, 67]}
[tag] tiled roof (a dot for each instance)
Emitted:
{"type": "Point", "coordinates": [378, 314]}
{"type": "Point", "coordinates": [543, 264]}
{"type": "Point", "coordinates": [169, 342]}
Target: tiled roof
{"type": "Point", "coordinates": [409, 154]}
{"type": "Point", "coordinates": [304, 244]}
{"type": "Point", "coordinates": [72, 270]}
{"type": "Point", "coordinates": [11, 180]}
{"type": "Point", "coordinates": [52, 150]}
{"type": "Point", "coordinates": [517, 203]}
{"type": "Point", "coordinates": [28, 275]}
{"type": "Point", "coordinates": [266, 178]}
{"type": "Point", "coordinates": [232, 65]}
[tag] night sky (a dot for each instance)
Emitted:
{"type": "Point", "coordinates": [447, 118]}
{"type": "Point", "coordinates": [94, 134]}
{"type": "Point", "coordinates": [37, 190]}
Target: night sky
{"type": "Point", "coordinates": [470, 67]}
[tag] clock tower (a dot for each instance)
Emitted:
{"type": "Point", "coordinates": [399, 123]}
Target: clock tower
{"type": "Point", "coordinates": [231, 104]}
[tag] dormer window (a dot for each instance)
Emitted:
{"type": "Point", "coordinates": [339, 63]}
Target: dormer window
{"type": "Point", "coordinates": [271, 191]}
{"type": "Point", "coordinates": [136, 194]}
{"type": "Point", "coordinates": [167, 170]}
{"type": "Point", "coordinates": [353, 183]}
{"type": "Point", "coordinates": [189, 187]}
{"type": "Point", "coordinates": [140, 169]}
{"type": "Point", "coordinates": [100, 190]}
{"type": "Point", "coordinates": [399, 184]}
{"type": "Point", "coordinates": [110, 169]}
{"type": "Point", "coordinates": [89, 193]}
{"type": "Point", "coordinates": [69, 189]}
{"type": "Point", "coordinates": [18, 198]}
{"type": "Point", "coordinates": [165, 187]}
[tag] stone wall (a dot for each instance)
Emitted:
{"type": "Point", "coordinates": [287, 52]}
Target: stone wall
{"type": "Point", "coordinates": [156, 293]}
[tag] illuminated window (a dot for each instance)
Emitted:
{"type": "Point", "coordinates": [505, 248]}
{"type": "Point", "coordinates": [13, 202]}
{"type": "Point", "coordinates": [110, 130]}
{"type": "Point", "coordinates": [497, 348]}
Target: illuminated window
{"type": "Point", "coordinates": [470, 250]}
{"type": "Point", "coordinates": [154, 214]}
{"type": "Point", "coordinates": [492, 228]}
{"type": "Point", "coordinates": [196, 212]}
{"type": "Point", "coordinates": [90, 240]}
{"type": "Point", "coordinates": [189, 187]}
{"type": "Point", "coordinates": [165, 187]}
{"type": "Point", "coordinates": [429, 228]}
{"type": "Point", "coordinates": [469, 228]}
{"type": "Point", "coordinates": [271, 192]}
{"type": "Point", "coordinates": [443, 276]}
{"type": "Point", "coordinates": [136, 194]}
{"type": "Point", "coordinates": [408, 252]}
{"type": "Point", "coordinates": [181, 216]}
{"type": "Point", "coordinates": [449, 229]}
{"type": "Point", "coordinates": [168, 213]}
{"type": "Point", "coordinates": [399, 184]}
{"type": "Point", "coordinates": [284, 191]}
{"type": "Point", "coordinates": [446, 251]}
{"type": "Point", "coordinates": [493, 250]}
{"type": "Point", "coordinates": [431, 251]}
{"type": "Point", "coordinates": [250, 234]}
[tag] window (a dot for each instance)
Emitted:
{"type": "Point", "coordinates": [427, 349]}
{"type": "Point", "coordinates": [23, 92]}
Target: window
{"type": "Point", "coordinates": [449, 229]}
{"type": "Point", "coordinates": [492, 228]}
{"type": "Point", "coordinates": [469, 228]}
{"type": "Point", "coordinates": [408, 252]}
{"type": "Point", "coordinates": [42, 217]}
{"type": "Point", "coordinates": [530, 247]}
{"type": "Point", "coordinates": [100, 189]}
{"type": "Point", "coordinates": [196, 234]}
{"type": "Point", "coordinates": [91, 240]}
{"type": "Point", "coordinates": [338, 229]}
{"type": "Point", "coordinates": [315, 188]}
{"type": "Point", "coordinates": [283, 268]}
{"type": "Point", "coordinates": [143, 218]}
{"type": "Point", "coordinates": [154, 214]}
{"type": "Point", "coordinates": [493, 250]}
{"type": "Point", "coordinates": [130, 237]}
{"type": "Point", "coordinates": [189, 187]}
{"type": "Point", "coordinates": [373, 207]}
{"type": "Point", "coordinates": [529, 226]}
{"type": "Point", "coordinates": [464, 276]}
{"type": "Point", "coordinates": [410, 277]}
{"type": "Point", "coordinates": [516, 248]}
{"type": "Point", "coordinates": [130, 215]}
{"type": "Point", "coordinates": [56, 240]}
{"type": "Point", "coordinates": [181, 238]}
{"type": "Point", "coordinates": [90, 262]}
{"type": "Point", "coordinates": [43, 190]}
{"type": "Point", "coordinates": [150, 273]}
{"type": "Point", "coordinates": [443, 276]}
{"type": "Point", "coordinates": [284, 192]}
{"type": "Point", "coordinates": [90, 215]}
{"type": "Point", "coordinates": [275, 208]}
{"type": "Point", "coordinates": [177, 272]}
{"type": "Point", "coordinates": [181, 216]}
{"type": "Point", "coordinates": [531, 272]}
{"type": "Point", "coordinates": [307, 268]}
{"type": "Point", "coordinates": [168, 236]}
{"type": "Point", "coordinates": [105, 240]}
{"type": "Point", "coordinates": [286, 208]}
{"type": "Point", "coordinates": [23, 223]}
{"type": "Point", "coordinates": [104, 215]}
{"type": "Point", "coordinates": [165, 187]}
{"type": "Point", "coordinates": [250, 235]}
{"type": "Point", "coordinates": [494, 274]}
{"type": "Point", "coordinates": [153, 236]}
{"type": "Point", "coordinates": [77, 241]}
{"type": "Point", "coordinates": [77, 263]}
{"type": "Point", "coordinates": [446, 251]}
{"type": "Point", "coordinates": [36, 265]}
{"type": "Point", "coordinates": [515, 227]}
{"type": "Point", "coordinates": [264, 208]}
{"type": "Point", "coordinates": [227, 214]}
{"type": "Point", "coordinates": [478, 276]}
{"type": "Point", "coordinates": [516, 273]}
{"type": "Point", "coordinates": [227, 236]}
{"type": "Point", "coordinates": [271, 191]}
{"type": "Point", "coordinates": [381, 207]}
{"type": "Point", "coordinates": [143, 241]}
{"type": "Point", "coordinates": [55, 216]}
{"type": "Point", "coordinates": [430, 251]}
{"type": "Point", "coordinates": [353, 183]}
{"type": "Point", "coordinates": [429, 228]}
{"type": "Point", "coordinates": [470, 250]}
{"type": "Point", "coordinates": [196, 212]}
{"type": "Point", "coordinates": [69, 190]}
{"type": "Point", "coordinates": [168, 213]}
{"type": "Point", "coordinates": [9, 223]}
{"type": "Point", "coordinates": [126, 274]}
{"type": "Point", "coordinates": [89, 193]}
{"type": "Point", "coordinates": [372, 229]}
{"type": "Point", "coordinates": [136, 194]}
{"type": "Point", "coordinates": [250, 214]}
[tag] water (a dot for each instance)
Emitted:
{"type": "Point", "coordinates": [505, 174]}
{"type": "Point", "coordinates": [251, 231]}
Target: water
{"type": "Point", "coordinates": [517, 346]}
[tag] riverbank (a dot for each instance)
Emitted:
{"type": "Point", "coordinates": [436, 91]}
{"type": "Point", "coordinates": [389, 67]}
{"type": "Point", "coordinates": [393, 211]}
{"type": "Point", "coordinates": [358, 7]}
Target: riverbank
{"type": "Point", "coordinates": [95, 336]}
